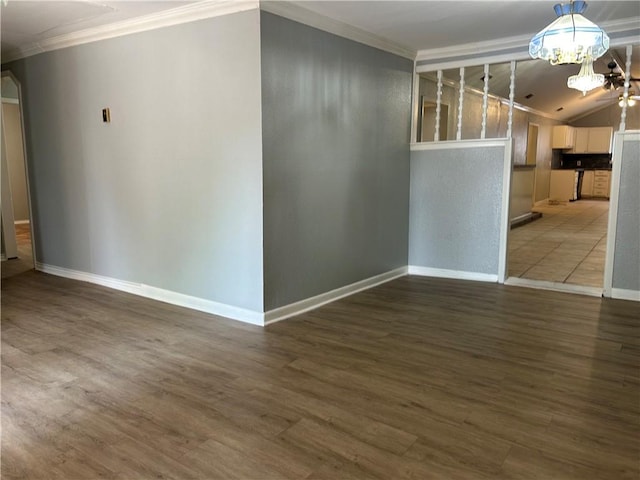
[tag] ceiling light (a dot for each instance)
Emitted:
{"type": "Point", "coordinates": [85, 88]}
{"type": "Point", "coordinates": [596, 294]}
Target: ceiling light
{"type": "Point", "coordinates": [630, 100]}
{"type": "Point", "coordinates": [586, 79]}
{"type": "Point", "coordinates": [570, 38]}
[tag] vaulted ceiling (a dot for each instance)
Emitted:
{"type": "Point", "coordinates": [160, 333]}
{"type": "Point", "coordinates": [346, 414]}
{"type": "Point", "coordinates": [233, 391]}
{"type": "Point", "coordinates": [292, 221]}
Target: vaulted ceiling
{"type": "Point", "coordinates": [418, 26]}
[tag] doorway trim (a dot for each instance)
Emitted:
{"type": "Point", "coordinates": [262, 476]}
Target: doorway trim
{"type": "Point", "coordinates": [8, 73]}
{"type": "Point", "coordinates": [612, 228]}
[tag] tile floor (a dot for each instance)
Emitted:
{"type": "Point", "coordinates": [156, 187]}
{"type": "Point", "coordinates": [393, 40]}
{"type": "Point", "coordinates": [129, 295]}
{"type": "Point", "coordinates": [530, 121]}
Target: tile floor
{"type": "Point", "coordinates": [567, 245]}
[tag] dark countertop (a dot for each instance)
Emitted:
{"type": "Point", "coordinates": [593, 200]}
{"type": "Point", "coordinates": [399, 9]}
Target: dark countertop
{"type": "Point", "coordinates": [583, 168]}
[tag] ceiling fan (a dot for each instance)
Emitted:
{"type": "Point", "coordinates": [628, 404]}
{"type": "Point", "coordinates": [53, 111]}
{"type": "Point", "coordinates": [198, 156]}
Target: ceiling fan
{"type": "Point", "coordinates": [632, 98]}
{"type": "Point", "coordinates": [614, 80]}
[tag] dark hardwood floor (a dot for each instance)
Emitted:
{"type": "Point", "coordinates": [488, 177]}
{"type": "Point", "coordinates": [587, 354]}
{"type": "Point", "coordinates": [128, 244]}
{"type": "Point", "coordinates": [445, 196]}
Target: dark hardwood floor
{"type": "Point", "coordinates": [418, 378]}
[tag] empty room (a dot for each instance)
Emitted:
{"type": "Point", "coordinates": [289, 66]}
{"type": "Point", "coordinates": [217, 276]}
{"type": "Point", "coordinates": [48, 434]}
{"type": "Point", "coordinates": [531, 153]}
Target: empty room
{"type": "Point", "coordinates": [320, 240]}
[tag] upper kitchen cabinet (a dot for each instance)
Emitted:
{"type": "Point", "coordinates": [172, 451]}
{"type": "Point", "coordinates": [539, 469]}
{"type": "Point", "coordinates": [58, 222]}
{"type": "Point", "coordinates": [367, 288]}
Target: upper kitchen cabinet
{"type": "Point", "coordinates": [593, 140]}
{"type": "Point", "coordinates": [582, 140]}
{"type": "Point", "coordinates": [563, 137]}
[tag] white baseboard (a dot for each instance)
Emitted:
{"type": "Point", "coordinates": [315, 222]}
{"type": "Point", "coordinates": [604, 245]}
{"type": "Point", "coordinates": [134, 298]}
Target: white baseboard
{"type": "Point", "coordinates": [554, 286]}
{"type": "Point", "coordinates": [456, 274]}
{"type": "Point", "coordinates": [622, 294]}
{"type": "Point", "coordinates": [167, 296]}
{"type": "Point", "coordinates": [3, 257]}
{"type": "Point", "coordinates": [307, 304]}
{"type": "Point", "coordinates": [215, 308]}
{"type": "Point", "coordinates": [21, 222]}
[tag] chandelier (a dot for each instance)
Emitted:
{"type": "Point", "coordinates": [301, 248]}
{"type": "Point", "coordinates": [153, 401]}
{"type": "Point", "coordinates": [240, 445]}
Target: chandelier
{"type": "Point", "coordinates": [586, 79]}
{"type": "Point", "coordinates": [571, 38]}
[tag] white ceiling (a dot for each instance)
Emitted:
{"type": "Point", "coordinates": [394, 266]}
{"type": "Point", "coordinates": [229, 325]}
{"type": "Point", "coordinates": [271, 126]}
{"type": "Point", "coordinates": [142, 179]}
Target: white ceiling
{"type": "Point", "coordinates": [421, 25]}
{"type": "Point", "coordinates": [414, 25]}
{"type": "Point", "coordinates": [26, 22]}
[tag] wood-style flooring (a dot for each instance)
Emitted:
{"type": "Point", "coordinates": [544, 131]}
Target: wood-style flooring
{"type": "Point", "coordinates": [418, 378]}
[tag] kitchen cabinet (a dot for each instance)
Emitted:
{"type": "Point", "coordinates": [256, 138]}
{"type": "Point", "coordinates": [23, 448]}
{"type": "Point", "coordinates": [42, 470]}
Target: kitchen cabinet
{"type": "Point", "coordinates": [602, 183]}
{"type": "Point", "coordinates": [581, 141]}
{"type": "Point", "coordinates": [600, 140]}
{"type": "Point", "coordinates": [587, 183]}
{"type": "Point", "coordinates": [592, 140]}
{"type": "Point", "coordinates": [562, 136]}
{"type": "Point", "coordinates": [562, 186]}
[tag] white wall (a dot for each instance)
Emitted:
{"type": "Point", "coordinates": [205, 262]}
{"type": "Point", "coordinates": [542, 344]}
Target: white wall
{"type": "Point", "coordinates": [15, 159]}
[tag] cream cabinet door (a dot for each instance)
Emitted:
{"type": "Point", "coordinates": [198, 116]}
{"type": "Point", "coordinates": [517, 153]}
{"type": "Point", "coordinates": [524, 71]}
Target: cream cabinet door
{"type": "Point", "coordinates": [600, 140]}
{"type": "Point", "coordinates": [562, 185]}
{"type": "Point", "coordinates": [581, 140]}
{"type": "Point", "coordinates": [587, 183]}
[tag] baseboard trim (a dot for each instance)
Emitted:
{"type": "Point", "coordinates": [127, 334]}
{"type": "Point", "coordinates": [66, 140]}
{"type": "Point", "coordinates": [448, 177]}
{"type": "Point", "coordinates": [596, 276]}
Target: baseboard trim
{"type": "Point", "coordinates": [162, 295]}
{"type": "Point", "coordinates": [21, 222]}
{"type": "Point", "coordinates": [3, 257]}
{"type": "Point", "coordinates": [554, 286]}
{"type": "Point", "coordinates": [455, 274]}
{"type": "Point", "coordinates": [312, 303]}
{"type": "Point", "coordinates": [544, 201]}
{"type": "Point", "coordinates": [623, 294]}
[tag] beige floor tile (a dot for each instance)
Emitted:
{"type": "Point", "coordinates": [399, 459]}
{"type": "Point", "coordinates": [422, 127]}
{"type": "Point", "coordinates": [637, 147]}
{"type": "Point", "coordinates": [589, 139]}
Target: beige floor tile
{"type": "Point", "coordinates": [568, 244]}
{"type": "Point", "coordinates": [517, 269]}
{"type": "Point", "coordinates": [588, 280]}
{"type": "Point", "coordinates": [544, 272]}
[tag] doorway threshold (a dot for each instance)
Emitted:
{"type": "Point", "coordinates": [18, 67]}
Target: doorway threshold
{"type": "Point", "coordinates": [555, 286]}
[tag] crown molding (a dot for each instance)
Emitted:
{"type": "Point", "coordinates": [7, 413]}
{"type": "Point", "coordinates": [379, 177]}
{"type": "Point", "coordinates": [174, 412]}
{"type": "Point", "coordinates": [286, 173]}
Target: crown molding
{"type": "Point", "coordinates": [302, 15]}
{"type": "Point", "coordinates": [488, 47]}
{"type": "Point", "coordinates": [175, 16]}
{"type": "Point", "coordinates": [622, 31]}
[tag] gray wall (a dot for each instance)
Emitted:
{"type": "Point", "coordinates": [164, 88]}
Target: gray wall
{"type": "Point", "coordinates": [626, 263]}
{"type": "Point", "coordinates": [336, 119]}
{"type": "Point", "coordinates": [9, 88]}
{"type": "Point", "coordinates": [169, 194]}
{"type": "Point", "coordinates": [456, 201]}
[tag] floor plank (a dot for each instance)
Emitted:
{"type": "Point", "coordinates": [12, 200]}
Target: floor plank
{"type": "Point", "coordinates": [417, 378]}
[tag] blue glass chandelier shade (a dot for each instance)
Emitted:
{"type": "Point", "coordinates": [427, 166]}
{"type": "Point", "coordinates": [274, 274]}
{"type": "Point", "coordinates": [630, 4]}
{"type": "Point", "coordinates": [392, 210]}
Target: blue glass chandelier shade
{"type": "Point", "coordinates": [570, 38]}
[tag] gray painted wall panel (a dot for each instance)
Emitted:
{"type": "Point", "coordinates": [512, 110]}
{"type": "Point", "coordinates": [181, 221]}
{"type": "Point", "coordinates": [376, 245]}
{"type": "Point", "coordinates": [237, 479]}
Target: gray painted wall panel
{"type": "Point", "coordinates": [456, 201]}
{"type": "Point", "coordinates": [336, 119]}
{"type": "Point", "coordinates": [626, 263]}
{"type": "Point", "coordinates": [168, 194]}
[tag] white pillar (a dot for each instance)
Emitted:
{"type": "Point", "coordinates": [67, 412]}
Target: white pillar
{"type": "Point", "coordinates": [460, 105]}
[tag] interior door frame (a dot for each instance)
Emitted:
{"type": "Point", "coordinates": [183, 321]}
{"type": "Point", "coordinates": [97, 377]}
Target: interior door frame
{"type": "Point", "coordinates": [609, 291]}
{"type": "Point", "coordinates": [8, 73]}
{"type": "Point", "coordinates": [8, 223]}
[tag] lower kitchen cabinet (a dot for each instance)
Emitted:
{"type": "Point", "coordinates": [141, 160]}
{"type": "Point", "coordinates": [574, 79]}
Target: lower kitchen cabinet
{"type": "Point", "coordinates": [587, 183]}
{"type": "Point", "coordinates": [562, 186]}
{"type": "Point", "coordinates": [596, 183]}
{"type": "Point", "coordinates": [602, 183]}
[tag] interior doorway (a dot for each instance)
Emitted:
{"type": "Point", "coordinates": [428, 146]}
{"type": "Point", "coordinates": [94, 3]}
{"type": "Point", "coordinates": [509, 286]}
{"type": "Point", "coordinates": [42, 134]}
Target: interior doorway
{"type": "Point", "coordinates": [17, 234]}
{"type": "Point", "coordinates": [565, 248]}
{"type": "Point", "coordinates": [559, 245]}
{"type": "Point", "coordinates": [427, 121]}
